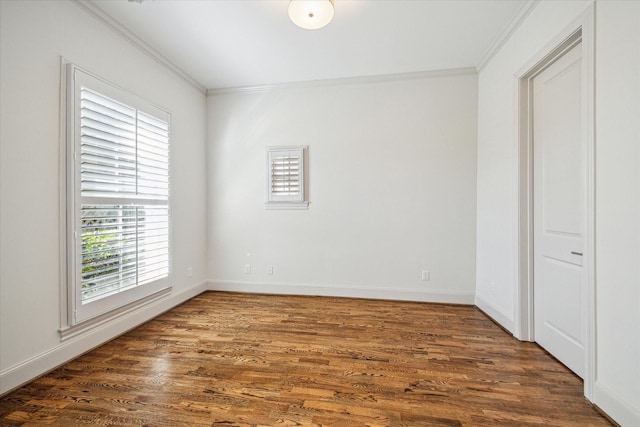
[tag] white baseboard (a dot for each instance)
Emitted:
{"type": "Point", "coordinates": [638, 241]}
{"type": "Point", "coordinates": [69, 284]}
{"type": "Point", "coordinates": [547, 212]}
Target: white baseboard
{"type": "Point", "coordinates": [491, 311]}
{"type": "Point", "coordinates": [32, 368]}
{"type": "Point", "coordinates": [342, 291]}
{"type": "Point", "coordinates": [619, 410]}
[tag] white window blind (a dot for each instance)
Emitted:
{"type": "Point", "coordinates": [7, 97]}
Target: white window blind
{"type": "Point", "coordinates": [285, 170]}
{"type": "Point", "coordinates": [120, 188]}
{"type": "Point", "coordinates": [285, 175]}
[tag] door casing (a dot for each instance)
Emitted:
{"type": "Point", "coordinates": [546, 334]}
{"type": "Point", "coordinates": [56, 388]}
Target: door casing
{"type": "Point", "coordinates": [580, 31]}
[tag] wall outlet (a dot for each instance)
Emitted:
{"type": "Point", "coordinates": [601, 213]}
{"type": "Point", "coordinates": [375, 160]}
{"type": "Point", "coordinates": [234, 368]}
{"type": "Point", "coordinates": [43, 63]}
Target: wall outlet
{"type": "Point", "coordinates": [247, 269]}
{"type": "Point", "coordinates": [189, 273]}
{"type": "Point", "coordinates": [492, 288]}
{"type": "Point", "coordinates": [426, 276]}
{"type": "Point", "coordinates": [270, 269]}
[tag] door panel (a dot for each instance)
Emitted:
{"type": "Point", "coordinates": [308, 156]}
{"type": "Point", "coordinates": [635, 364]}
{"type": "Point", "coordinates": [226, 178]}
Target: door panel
{"type": "Point", "coordinates": [564, 318]}
{"type": "Point", "coordinates": [559, 289]}
{"type": "Point", "coordinates": [558, 96]}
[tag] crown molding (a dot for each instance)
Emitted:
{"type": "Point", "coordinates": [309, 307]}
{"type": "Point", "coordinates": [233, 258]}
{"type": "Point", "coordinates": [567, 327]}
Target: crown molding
{"type": "Point", "coordinates": [90, 7]}
{"type": "Point", "coordinates": [525, 9]}
{"type": "Point", "coordinates": [346, 81]}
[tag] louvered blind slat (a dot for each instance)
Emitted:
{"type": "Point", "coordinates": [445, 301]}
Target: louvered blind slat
{"type": "Point", "coordinates": [108, 153]}
{"type": "Point", "coordinates": [106, 135]}
{"type": "Point", "coordinates": [107, 176]}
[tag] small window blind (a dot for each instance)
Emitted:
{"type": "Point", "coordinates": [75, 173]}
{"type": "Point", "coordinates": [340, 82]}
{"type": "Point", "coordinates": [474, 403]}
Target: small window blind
{"type": "Point", "coordinates": [121, 174]}
{"type": "Point", "coordinates": [285, 175]}
{"type": "Point", "coordinates": [285, 168]}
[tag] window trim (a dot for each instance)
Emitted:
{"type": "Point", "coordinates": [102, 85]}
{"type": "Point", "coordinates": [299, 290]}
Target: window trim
{"type": "Point", "coordinates": [286, 202]}
{"type": "Point", "coordinates": [79, 317]}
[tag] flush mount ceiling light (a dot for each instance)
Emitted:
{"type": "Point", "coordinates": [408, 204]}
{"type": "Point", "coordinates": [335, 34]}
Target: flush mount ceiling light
{"type": "Point", "coordinates": [311, 14]}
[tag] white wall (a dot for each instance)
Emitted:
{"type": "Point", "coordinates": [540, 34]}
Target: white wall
{"type": "Point", "coordinates": [392, 169]}
{"type": "Point", "coordinates": [618, 208]}
{"type": "Point", "coordinates": [617, 93]}
{"type": "Point", "coordinates": [33, 35]}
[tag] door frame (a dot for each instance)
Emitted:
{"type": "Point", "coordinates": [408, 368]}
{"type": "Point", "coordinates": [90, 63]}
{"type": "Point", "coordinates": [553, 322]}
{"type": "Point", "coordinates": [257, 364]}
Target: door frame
{"type": "Point", "coordinates": [579, 31]}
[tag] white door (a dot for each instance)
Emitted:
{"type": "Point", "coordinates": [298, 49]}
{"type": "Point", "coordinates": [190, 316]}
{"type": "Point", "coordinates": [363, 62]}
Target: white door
{"type": "Point", "coordinates": [558, 207]}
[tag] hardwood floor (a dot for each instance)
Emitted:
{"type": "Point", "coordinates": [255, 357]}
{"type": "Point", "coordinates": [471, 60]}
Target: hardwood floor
{"type": "Point", "coordinates": [224, 359]}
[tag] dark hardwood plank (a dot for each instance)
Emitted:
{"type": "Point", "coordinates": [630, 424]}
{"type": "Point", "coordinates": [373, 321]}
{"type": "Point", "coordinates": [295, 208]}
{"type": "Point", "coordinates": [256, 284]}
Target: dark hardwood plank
{"type": "Point", "coordinates": [224, 359]}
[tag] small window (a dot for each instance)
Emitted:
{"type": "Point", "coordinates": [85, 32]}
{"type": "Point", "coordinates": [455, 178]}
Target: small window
{"type": "Point", "coordinates": [285, 182]}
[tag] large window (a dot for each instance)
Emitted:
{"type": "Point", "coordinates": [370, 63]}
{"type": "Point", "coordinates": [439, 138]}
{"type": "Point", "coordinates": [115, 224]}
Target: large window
{"type": "Point", "coordinates": [118, 192]}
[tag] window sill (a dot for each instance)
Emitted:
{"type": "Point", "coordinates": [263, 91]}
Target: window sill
{"type": "Point", "coordinates": [287, 205]}
{"type": "Point", "coordinates": [71, 331]}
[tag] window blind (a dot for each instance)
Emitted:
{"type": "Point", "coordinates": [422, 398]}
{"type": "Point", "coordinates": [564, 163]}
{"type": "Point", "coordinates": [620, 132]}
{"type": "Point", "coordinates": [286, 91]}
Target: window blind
{"type": "Point", "coordinates": [121, 186]}
{"type": "Point", "coordinates": [285, 175]}
{"type": "Point", "coordinates": [285, 168]}
{"type": "Point", "coordinates": [125, 153]}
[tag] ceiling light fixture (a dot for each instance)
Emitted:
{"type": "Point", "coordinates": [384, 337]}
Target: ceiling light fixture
{"type": "Point", "coordinates": [311, 14]}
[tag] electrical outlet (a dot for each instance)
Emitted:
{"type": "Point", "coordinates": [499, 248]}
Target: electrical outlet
{"type": "Point", "coordinates": [270, 269]}
{"type": "Point", "coordinates": [189, 273]}
{"type": "Point", "coordinates": [426, 276]}
{"type": "Point", "coordinates": [492, 289]}
{"type": "Point", "coordinates": [247, 269]}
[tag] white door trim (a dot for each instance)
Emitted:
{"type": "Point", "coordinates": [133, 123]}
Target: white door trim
{"type": "Point", "coordinates": [581, 30]}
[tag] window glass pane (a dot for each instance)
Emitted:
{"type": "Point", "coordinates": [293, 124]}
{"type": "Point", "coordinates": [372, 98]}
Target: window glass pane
{"type": "Point", "coordinates": [122, 247]}
{"type": "Point", "coordinates": [108, 250]}
{"type": "Point", "coordinates": [153, 243]}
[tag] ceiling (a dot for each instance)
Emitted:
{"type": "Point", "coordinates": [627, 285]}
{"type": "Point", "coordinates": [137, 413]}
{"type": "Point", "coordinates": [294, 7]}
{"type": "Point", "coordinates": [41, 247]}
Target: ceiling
{"type": "Point", "coordinates": [236, 43]}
